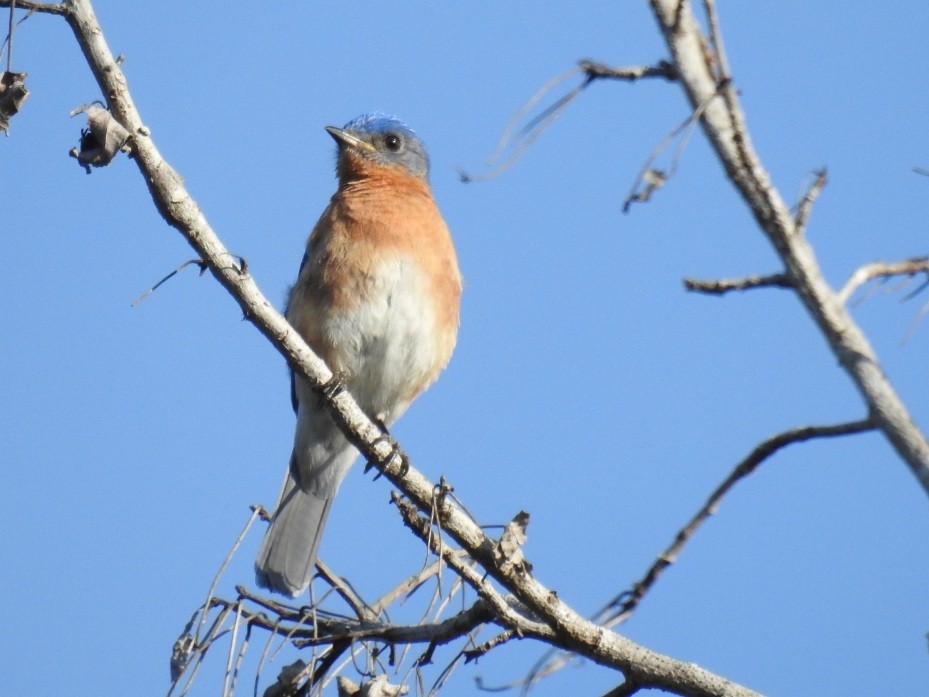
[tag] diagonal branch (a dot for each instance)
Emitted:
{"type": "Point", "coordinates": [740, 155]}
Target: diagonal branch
{"type": "Point", "coordinates": [723, 122]}
{"type": "Point", "coordinates": [625, 603]}
{"type": "Point", "coordinates": [805, 206]}
{"type": "Point", "coordinates": [180, 210]}
{"type": "Point", "coordinates": [620, 608]}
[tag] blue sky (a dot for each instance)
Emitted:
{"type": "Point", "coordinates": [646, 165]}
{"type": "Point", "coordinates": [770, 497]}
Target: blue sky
{"type": "Point", "coordinates": [587, 387]}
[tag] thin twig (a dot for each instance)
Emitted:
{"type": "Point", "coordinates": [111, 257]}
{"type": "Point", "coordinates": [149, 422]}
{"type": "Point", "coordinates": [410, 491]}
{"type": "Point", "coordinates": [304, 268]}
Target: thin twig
{"type": "Point", "coordinates": [550, 662]}
{"type": "Point", "coordinates": [529, 133]}
{"type": "Point", "coordinates": [407, 587]}
{"type": "Point", "coordinates": [361, 609]}
{"type": "Point", "coordinates": [527, 136]}
{"type": "Point", "coordinates": [725, 285]}
{"type": "Point", "coordinates": [504, 612]}
{"type": "Point", "coordinates": [216, 629]}
{"type": "Point", "coordinates": [626, 689]}
{"type": "Point", "coordinates": [9, 38]}
{"type": "Point", "coordinates": [923, 311]}
{"type": "Point", "coordinates": [716, 37]}
{"type": "Point", "coordinates": [446, 673]}
{"type": "Point", "coordinates": [45, 7]}
{"type": "Point", "coordinates": [264, 657]}
{"type": "Point", "coordinates": [222, 570]}
{"type": "Point", "coordinates": [595, 71]}
{"type": "Point", "coordinates": [805, 205]}
{"type": "Point", "coordinates": [626, 602]}
{"type": "Point", "coordinates": [198, 262]}
{"type": "Point", "coordinates": [238, 661]}
{"type": "Point", "coordinates": [230, 660]}
{"type": "Point", "coordinates": [324, 632]}
{"type": "Point", "coordinates": [489, 645]}
{"type": "Point", "coordinates": [324, 666]}
{"type": "Point", "coordinates": [653, 179]}
{"type": "Point", "coordinates": [880, 269]}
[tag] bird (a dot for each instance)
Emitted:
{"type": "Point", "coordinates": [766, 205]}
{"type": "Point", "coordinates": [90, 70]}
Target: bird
{"type": "Point", "coordinates": [378, 297]}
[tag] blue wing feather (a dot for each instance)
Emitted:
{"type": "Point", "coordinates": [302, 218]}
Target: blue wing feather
{"type": "Point", "coordinates": [293, 380]}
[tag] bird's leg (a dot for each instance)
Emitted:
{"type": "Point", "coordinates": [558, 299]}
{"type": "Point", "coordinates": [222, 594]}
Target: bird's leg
{"type": "Point", "coordinates": [395, 448]}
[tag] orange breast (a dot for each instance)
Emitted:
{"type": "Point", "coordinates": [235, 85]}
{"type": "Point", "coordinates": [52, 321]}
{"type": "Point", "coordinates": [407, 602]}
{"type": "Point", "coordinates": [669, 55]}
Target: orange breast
{"type": "Point", "coordinates": [378, 214]}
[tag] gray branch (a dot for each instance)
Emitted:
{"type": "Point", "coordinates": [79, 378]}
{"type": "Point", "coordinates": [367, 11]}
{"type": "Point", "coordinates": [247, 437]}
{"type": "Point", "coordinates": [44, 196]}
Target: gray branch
{"type": "Point", "coordinates": [723, 121]}
{"type": "Point", "coordinates": [725, 285]}
{"type": "Point", "coordinates": [880, 269]}
{"type": "Point", "coordinates": [640, 665]}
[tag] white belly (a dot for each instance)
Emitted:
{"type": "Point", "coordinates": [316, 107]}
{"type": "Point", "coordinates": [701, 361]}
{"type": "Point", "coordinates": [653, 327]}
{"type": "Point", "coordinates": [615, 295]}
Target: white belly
{"type": "Point", "coordinates": [387, 342]}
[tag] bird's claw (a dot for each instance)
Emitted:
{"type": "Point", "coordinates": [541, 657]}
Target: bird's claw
{"type": "Point", "coordinates": [395, 451]}
{"type": "Point", "coordinates": [335, 385]}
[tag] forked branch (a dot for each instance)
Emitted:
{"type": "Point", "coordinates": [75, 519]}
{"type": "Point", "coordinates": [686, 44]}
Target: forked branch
{"type": "Point", "coordinates": [723, 121]}
{"type": "Point", "coordinates": [180, 210]}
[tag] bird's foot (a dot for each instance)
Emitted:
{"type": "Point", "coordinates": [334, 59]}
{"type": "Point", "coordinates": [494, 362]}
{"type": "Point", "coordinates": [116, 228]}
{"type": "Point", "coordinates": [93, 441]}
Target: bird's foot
{"type": "Point", "coordinates": [395, 449]}
{"type": "Point", "coordinates": [335, 385]}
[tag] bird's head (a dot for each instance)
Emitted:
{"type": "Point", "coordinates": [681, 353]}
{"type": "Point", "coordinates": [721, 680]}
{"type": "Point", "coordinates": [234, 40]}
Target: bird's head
{"type": "Point", "coordinates": [381, 139]}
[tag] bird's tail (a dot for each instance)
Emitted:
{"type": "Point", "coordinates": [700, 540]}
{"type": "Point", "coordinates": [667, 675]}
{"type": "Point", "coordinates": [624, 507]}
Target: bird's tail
{"type": "Point", "coordinates": [287, 556]}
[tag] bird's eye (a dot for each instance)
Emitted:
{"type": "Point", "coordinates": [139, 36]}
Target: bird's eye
{"type": "Point", "coordinates": [392, 141]}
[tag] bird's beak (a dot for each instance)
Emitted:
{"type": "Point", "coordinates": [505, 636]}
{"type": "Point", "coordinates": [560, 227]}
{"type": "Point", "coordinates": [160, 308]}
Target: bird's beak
{"type": "Point", "coordinates": [346, 139]}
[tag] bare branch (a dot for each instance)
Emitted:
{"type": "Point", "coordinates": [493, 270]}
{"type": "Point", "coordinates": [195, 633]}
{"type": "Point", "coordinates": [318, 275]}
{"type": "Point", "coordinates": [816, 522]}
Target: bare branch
{"type": "Point", "coordinates": [436, 634]}
{"type": "Point", "coordinates": [626, 602]}
{"type": "Point", "coordinates": [362, 610]}
{"type": "Point", "coordinates": [9, 38]}
{"type": "Point", "coordinates": [553, 619]}
{"type": "Point", "coordinates": [620, 608]}
{"type": "Point", "coordinates": [723, 122]}
{"type": "Point", "coordinates": [805, 206]}
{"type": "Point", "coordinates": [527, 135]}
{"type": "Point", "coordinates": [880, 269]}
{"type": "Point", "coordinates": [923, 311]}
{"type": "Point", "coordinates": [725, 285]}
{"type": "Point", "coordinates": [651, 179]}
{"type": "Point", "coordinates": [413, 582]}
{"type": "Point", "coordinates": [222, 568]}
{"type": "Point", "coordinates": [597, 71]}
{"type": "Point", "coordinates": [44, 7]}
{"type": "Point", "coordinates": [625, 690]}
{"type": "Point", "coordinates": [171, 275]}
{"type": "Point", "coordinates": [489, 645]}
{"type": "Point", "coordinates": [504, 612]}
{"type": "Point", "coordinates": [716, 37]}
{"type": "Point", "coordinates": [331, 631]}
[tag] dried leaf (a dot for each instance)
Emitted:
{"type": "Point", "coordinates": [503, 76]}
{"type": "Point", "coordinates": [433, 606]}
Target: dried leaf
{"type": "Point", "coordinates": [287, 680]}
{"type": "Point", "coordinates": [653, 179]}
{"type": "Point", "coordinates": [507, 551]}
{"type": "Point", "coordinates": [13, 93]}
{"type": "Point", "coordinates": [102, 138]}
{"type": "Point", "coordinates": [180, 656]}
{"type": "Point", "coordinates": [376, 687]}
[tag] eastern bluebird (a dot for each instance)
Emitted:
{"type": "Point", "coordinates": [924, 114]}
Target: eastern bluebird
{"type": "Point", "coordinates": [377, 297]}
